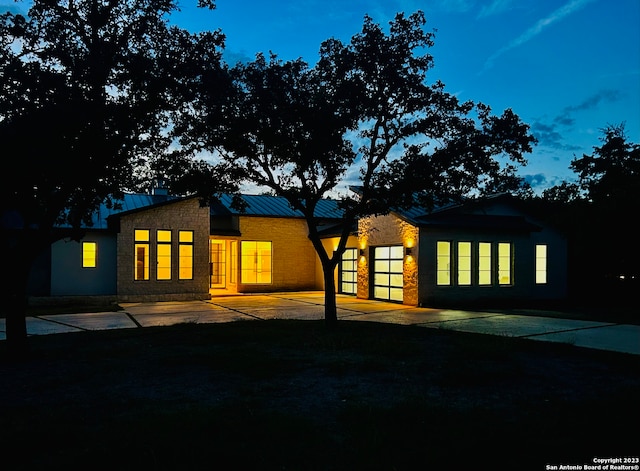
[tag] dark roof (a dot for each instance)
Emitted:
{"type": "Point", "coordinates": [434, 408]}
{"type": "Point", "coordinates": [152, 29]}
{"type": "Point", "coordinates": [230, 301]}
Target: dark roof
{"type": "Point", "coordinates": [458, 216]}
{"type": "Point", "coordinates": [478, 222]}
{"type": "Point", "coordinates": [131, 202]}
{"type": "Point", "coordinates": [272, 206]}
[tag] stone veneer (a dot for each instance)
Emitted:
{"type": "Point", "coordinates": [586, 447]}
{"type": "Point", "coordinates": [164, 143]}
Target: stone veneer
{"type": "Point", "coordinates": [388, 230]}
{"type": "Point", "coordinates": [185, 215]}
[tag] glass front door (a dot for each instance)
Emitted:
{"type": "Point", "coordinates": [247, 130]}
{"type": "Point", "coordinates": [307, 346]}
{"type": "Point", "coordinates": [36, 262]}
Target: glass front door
{"type": "Point", "coordinates": [217, 263]}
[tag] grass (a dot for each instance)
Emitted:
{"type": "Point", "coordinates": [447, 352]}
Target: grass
{"type": "Point", "coordinates": [291, 395]}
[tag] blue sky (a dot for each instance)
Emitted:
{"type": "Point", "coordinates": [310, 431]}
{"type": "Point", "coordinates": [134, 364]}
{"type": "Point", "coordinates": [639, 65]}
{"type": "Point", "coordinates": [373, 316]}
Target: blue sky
{"type": "Point", "coordinates": [568, 68]}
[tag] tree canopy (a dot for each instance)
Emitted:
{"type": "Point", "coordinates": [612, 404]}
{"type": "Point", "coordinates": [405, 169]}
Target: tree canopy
{"type": "Point", "coordinates": [88, 91]}
{"type": "Point", "coordinates": [364, 113]}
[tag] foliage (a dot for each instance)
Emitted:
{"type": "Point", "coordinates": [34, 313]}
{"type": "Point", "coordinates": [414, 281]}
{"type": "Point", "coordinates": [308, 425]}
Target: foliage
{"type": "Point", "coordinates": [611, 175]}
{"type": "Point", "coordinates": [596, 214]}
{"type": "Point", "coordinates": [366, 114]}
{"type": "Point", "coordinates": [88, 89]}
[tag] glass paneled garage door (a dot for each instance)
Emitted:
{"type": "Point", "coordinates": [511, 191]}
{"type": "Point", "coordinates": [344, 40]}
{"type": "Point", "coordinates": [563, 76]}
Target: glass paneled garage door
{"type": "Point", "coordinates": [349, 272]}
{"type": "Point", "coordinates": [387, 273]}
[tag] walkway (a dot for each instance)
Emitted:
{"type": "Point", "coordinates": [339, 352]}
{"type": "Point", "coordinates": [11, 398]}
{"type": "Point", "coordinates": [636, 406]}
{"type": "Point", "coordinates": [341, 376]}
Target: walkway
{"type": "Point", "coordinates": [310, 305]}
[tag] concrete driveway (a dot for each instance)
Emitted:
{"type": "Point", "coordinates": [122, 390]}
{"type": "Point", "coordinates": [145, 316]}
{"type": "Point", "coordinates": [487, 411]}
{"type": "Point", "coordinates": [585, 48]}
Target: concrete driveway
{"type": "Point", "coordinates": [310, 305]}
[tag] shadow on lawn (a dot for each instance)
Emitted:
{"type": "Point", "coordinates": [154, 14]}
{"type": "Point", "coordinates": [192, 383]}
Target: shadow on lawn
{"type": "Point", "coordinates": [292, 395]}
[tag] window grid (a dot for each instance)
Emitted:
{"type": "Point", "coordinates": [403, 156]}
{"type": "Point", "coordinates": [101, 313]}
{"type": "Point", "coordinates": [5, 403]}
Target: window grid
{"type": "Point", "coordinates": [484, 264]}
{"type": "Point", "coordinates": [443, 269]}
{"type": "Point", "coordinates": [388, 280]}
{"type": "Point", "coordinates": [464, 263]}
{"type": "Point", "coordinates": [349, 272]}
{"type": "Point", "coordinates": [541, 264]}
{"type": "Point", "coordinates": [504, 263]}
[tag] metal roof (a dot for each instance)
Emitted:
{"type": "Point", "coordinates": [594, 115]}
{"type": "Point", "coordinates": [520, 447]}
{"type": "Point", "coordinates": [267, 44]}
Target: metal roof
{"type": "Point", "coordinates": [274, 206]}
{"type": "Point", "coordinates": [130, 202]}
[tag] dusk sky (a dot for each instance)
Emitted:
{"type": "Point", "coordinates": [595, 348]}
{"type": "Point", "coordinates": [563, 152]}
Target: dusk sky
{"type": "Point", "coordinates": [568, 68]}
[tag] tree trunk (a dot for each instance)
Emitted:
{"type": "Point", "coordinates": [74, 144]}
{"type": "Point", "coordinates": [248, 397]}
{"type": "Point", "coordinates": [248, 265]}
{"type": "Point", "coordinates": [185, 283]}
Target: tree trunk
{"type": "Point", "coordinates": [16, 325]}
{"type": "Point", "coordinates": [330, 305]}
{"type": "Point", "coordinates": [17, 262]}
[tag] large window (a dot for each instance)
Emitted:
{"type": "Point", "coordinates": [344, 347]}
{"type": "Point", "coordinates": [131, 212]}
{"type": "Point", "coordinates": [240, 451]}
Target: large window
{"type": "Point", "coordinates": [141, 254]}
{"type": "Point", "coordinates": [541, 264]}
{"type": "Point", "coordinates": [504, 263]}
{"type": "Point", "coordinates": [185, 255]}
{"type": "Point", "coordinates": [164, 255]}
{"type": "Point", "coordinates": [464, 263]}
{"type": "Point", "coordinates": [255, 262]}
{"type": "Point", "coordinates": [89, 254]}
{"type": "Point", "coordinates": [484, 263]}
{"type": "Point", "coordinates": [481, 263]}
{"type": "Point", "coordinates": [443, 275]}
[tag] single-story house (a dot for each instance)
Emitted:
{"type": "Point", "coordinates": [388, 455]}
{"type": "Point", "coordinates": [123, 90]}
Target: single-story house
{"type": "Point", "coordinates": [158, 247]}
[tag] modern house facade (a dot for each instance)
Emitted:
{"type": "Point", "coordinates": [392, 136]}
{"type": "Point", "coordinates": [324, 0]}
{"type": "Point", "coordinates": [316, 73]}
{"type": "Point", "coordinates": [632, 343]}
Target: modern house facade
{"type": "Point", "coordinates": [160, 248]}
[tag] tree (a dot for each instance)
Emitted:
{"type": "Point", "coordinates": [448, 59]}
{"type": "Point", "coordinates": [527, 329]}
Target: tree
{"type": "Point", "coordinates": [88, 88]}
{"type": "Point", "coordinates": [596, 213]}
{"type": "Point", "coordinates": [365, 112]}
{"type": "Point", "coordinates": [610, 176]}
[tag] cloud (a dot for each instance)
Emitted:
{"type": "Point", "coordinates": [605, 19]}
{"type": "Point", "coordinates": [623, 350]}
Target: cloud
{"type": "Point", "coordinates": [608, 96]}
{"type": "Point", "coordinates": [565, 10]}
{"type": "Point", "coordinates": [536, 181]}
{"type": "Point", "coordinates": [565, 118]}
{"type": "Point", "coordinates": [549, 136]}
{"type": "Point", "coordinates": [496, 7]}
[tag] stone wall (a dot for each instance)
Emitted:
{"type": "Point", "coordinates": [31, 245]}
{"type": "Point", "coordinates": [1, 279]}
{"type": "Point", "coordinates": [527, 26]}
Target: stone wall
{"type": "Point", "coordinates": [183, 215]}
{"type": "Point", "coordinates": [293, 255]}
{"type": "Point", "coordinates": [388, 230]}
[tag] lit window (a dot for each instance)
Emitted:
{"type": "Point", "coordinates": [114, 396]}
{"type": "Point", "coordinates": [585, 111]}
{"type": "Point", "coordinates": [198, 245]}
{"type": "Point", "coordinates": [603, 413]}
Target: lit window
{"type": "Point", "coordinates": [541, 264]}
{"type": "Point", "coordinates": [141, 255]}
{"type": "Point", "coordinates": [255, 262]}
{"type": "Point", "coordinates": [89, 254]}
{"type": "Point", "coordinates": [504, 263]}
{"type": "Point", "coordinates": [164, 255]}
{"type": "Point", "coordinates": [484, 263]}
{"type": "Point", "coordinates": [185, 255]}
{"type": "Point", "coordinates": [464, 263]}
{"type": "Point", "coordinates": [443, 275]}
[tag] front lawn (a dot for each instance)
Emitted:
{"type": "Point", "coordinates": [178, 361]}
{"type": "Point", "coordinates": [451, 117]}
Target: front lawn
{"type": "Point", "coordinates": [290, 395]}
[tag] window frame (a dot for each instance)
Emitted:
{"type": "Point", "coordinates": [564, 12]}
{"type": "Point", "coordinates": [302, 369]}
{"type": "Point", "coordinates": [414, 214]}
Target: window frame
{"type": "Point", "coordinates": [464, 265]}
{"type": "Point", "coordinates": [542, 264]}
{"type": "Point", "coordinates": [183, 245]}
{"type": "Point", "coordinates": [485, 264]}
{"type": "Point", "coordinates": [85, 252]}
{"type": "Point", "coordinates": [164, 255]}
{"type": "Point", "coordinates": [141, 240]}
{"type": "Point", "coordinates": [256, 267]}
{"type": "Point", "coordinates": [443, 258]}
{"type": "Point", "coordinates": [502, 260]}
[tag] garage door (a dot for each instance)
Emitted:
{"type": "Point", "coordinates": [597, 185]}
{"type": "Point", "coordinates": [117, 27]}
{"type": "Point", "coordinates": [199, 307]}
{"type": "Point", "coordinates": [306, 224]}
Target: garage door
{"type": "Point", "coordinates": [387, 273]}
{"type": "Point", "coordinates": [349, 272]}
